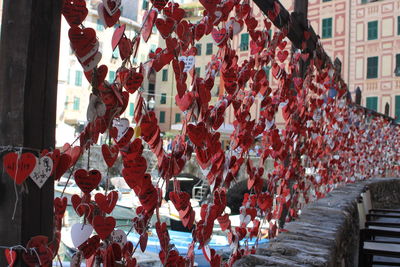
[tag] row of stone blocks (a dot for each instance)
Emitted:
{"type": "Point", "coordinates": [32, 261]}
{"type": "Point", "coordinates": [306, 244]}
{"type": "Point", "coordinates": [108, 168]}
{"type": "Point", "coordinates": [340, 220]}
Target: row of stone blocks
{"type": "Point", "coordinates": [327, 231]}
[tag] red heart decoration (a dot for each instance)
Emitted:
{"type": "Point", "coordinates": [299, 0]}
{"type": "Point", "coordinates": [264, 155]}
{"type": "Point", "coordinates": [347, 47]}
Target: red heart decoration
{"type": "Point", "coordinates": [62, 166]}
{"type": "Point", "coordinates": [108, 203]}
{"type": "Point", "coordinates": [125, 47]}
{"type": "Point", "coordinates": [197, 133]}
{"type": "Point", "coordinates": [82, 40]}
{"type": "Point", "coordinates": [219, 36]}
{"type": "Point", "coordinates": [103, 226]}
{"type": "Point", "coordinates": [174, 11]}
{"type": "Point", "coordinates": [185, 102]}
{"type": "Point", "coordinates": [109, 21]}
{"type": "Point", "coordinates": [74, 12]}
{"type": "Point", "coordinates": [75, 153]}
{"type": "Point", "coordinates": [210, 5]}
{"type": "Point", "coordinates": [165, 26]}
{"type": "Point", "coordinates": [126, 138]}
{"type": "Point", "coordinates": [19, 167]}
{"type": "Point", "coordinates": [11, 256]}
{"type": "Point", "coordinates": [87, 181]}
{"type": "Point", "coordinates": [60, 204]}
{"type": "Point", "coordinates": [149, 22]}
{"type": "Point", "coordinates": [110, 154]}
{"type": "Point", "coordinates": [101, 73]}
{"type": "Point", "coordinates": [133, 81]}
{"type": "Point", "coordinates": [282, 55]}
{"type": "Point", "coordinates": [117, 35]}
{"type": "Point", "coordinates": [43, 254]}
{"type": "Point", "coordinates": [159, 4]}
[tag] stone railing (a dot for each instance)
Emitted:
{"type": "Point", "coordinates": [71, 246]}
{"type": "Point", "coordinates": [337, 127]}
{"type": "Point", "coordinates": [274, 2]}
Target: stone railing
{"type": "Point", "coordinates": [327, 232]}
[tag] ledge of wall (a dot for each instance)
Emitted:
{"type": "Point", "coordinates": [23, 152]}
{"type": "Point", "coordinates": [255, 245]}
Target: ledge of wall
{"type": "Point", "coordinates": [327, 232]}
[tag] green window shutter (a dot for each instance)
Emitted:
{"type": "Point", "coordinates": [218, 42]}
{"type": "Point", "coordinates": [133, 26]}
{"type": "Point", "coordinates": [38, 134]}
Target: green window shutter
{"type": "Point", "coordinates": [66, 102]}
{"type": "Point", "coordinates": [115, 53]}
{"type": "Point", "coordinates": [76, 103]}
{"type": "Point", "coordinates": [78, 78]}
{"type": "Point", "coordinates": [177, 117]}
{"type": "Point", "coordinates": [145, 4]}
{"type": "Point", "coordinates": [398, 25]}
{"type": "Point", "coordinates": [209, 49]}
{"type": "Point", "coordinates": [162, 116]}
{"type": "Point", "coordinates": [153, 48]}
{"type": "Point", "coordinates": [266, 69]}
{"type": "Point", "coordinates": [164, 75]}
{"type": "Point", "coordinates": [397, 69]}
{"type": "Point", "coordinates": [131, 109]}
{"type": "Point", "coordinates": [397, 108]}
{"type": "Point", "coordinates": [197, 71]}
{"type": "Point", "coordinates": [198, 47]}
{"type": "Point", "coordinates": [244, 41]}
{"type": "Point", "coordinates": [372, 103]}
{"type": "Point", "coordinates": [327, 28]}
{"type": "Point", "coordinates": [99, 25]}
{"type": "Point", "coordinates": [111, 76]}
{"type": "Point", "coordinates": [372, 67]}
{"type": "Point", "coordinates": [373, 30]}
{"type": "Point", "coordinates": [326, 0]}
{"type": "Point", "coordinates": [163, 99]}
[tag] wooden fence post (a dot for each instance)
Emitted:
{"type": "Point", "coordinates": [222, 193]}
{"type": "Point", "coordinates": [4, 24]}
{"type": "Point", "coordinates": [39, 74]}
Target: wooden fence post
{"type": "Point", "coordinates": [29, 50]}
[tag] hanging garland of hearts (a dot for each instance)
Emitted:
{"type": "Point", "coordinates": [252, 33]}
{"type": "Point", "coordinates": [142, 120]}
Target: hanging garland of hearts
{"type": "Point", "coordinates": [338, 141]}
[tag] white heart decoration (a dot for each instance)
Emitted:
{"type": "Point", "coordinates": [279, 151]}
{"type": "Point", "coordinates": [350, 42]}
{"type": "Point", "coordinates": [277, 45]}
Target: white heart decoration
{"type": "Point", "coordinates": [189, 62]}
{"type": "Point", "coordinates": [100, 12]}
{"type": "Point", "coordinates": [92, 62]}
{"type": "Point", "coordinates": [236, 26]}
{"type": "Point", "coordinates": [122, 126]}
{"type": "Point", "coordinates": [42, 170]}
{"type": "Point", "coordinates": [111, 11]}
{"type": "Point", "coordinates": [96, 108]}
{"type": "Point", "coordinates": [118, 236]}
{"type": "Point", "coordinates": [80, 233]}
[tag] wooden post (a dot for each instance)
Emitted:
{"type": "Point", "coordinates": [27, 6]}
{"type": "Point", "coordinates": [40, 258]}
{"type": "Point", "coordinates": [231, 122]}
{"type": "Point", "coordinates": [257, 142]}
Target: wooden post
{"type": "Point", "coordinates": [29, 49]}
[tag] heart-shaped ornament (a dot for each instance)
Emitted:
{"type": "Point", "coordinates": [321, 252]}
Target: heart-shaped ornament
{"type": "Point", "coordinates": [103, 226]}
{"type": "Point", "coordinates": [11, 256]}
{"type": "Point", "coordinates": [118, 236]}
{"type": "Point", "coordinates": [19, 167]}
{"type": "Point", "coordinates": [87, 180]}
{"type": "Point", "coordinates": [42, 171]}
{"type": "Point", "coordinates": [122, 126]}
{"type": "Point", "coordinates": [80, 233]}
{"type": "Point", "coordinates": [189, 62]}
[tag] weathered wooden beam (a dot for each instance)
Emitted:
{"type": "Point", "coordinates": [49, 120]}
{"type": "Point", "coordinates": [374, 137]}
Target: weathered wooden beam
{"type": "Point", "coordinates": [29, 50]}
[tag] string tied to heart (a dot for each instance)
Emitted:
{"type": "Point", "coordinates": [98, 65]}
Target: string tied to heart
{"type": "Point", "coordinates": [37, 255]}
{"type": "Point", "coordinates": [15, 184]}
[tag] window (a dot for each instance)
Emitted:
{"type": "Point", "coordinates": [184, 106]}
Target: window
{"type": "Point", "coordinates": [373, 30]}
{"type": "Point", "coordinates": [327, 28]}
{"type": "Point", "coordinates": [78, 78]}
{"type": "Point", "coordinates": [326, 0]}
{"type": "Point", "coordinates": [209, 49]}
{"type": "Point", "coordinates": [244, 41]}
{"type": "Point", "coordinates": [198, 47]}
{"type": "Point", "coordinates": [266, 69]}
{"type": "Point", "coordinates": [397, 108]}
{"type": "Point", "coordinates": [115, 53]}
{"type": "Point", "coordinates": [197, 70]}
{"type": "Point", "coordinates": [372, 103]}
{"type": "Point", "coordinates": [398, 25]}
{"type": "Point", "coordinates": [372, 67]}
{"type": "Point", "coordinates": [163, 99]}
{"type": "Point", "coordinates": [66, 103]}
{"type": "Point", "coordinates": [131, 109]}
{"type": "Point", "coordinates": [99, 25]}
{"type": "Point", "coordinates": [397, 69]}
{"type": "Point", "coordinates": [151, 90]}
{"type": "Point", "coordinates": [177, 117]}
{"type": "Point", "coordinates": [162, 116]}
{"type": "Point", "coordinates": [145, 4]}
{"type": "Point", "coordinates": [153, 48]}
{"type": "Point", "coordinates": [111, 76]}
{"type": "Point", "coordinates": [164, 75]}
{"type": "Point", "coordinates": [76, 103]}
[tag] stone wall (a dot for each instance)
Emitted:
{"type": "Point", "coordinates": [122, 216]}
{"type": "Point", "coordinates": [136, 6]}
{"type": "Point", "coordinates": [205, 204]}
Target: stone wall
{"type": "Point", "coordinates": [326, 234]}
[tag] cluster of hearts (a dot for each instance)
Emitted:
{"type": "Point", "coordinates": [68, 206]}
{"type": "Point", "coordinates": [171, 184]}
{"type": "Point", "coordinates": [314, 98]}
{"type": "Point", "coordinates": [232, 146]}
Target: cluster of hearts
{"type": "Point", "coordinates": [323, 131]}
